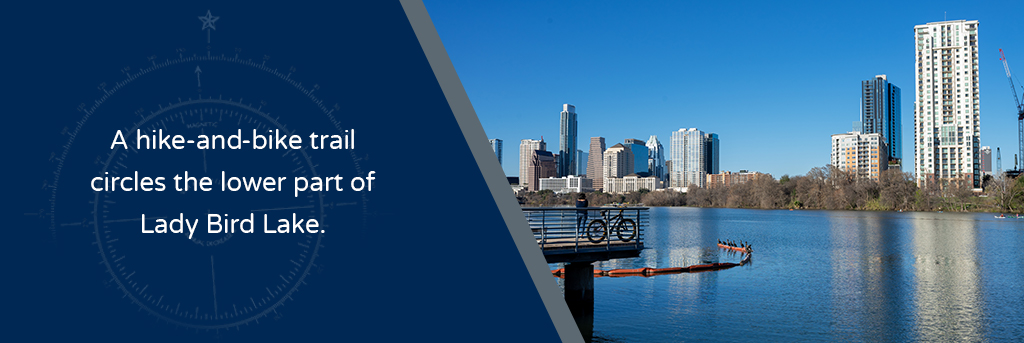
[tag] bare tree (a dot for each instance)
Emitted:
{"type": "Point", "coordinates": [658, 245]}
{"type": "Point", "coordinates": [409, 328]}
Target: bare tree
{"type": "Point", "coordinates": [696, 196]}
{"type": "Point", "coordinates": [767, 192]}
{"type": "Point", "coordinates": [896, 190]}
{"type": "Point", "coordinates": [739, 195]}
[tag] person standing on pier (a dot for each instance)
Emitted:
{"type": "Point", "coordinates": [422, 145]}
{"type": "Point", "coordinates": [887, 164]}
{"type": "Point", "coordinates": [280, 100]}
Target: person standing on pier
{"type": "Point", "coordinates": [581, 215]}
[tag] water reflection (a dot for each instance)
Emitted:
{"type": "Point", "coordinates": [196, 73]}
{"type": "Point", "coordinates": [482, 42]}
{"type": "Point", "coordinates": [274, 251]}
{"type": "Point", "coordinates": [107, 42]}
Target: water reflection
{"type": "Point", "coordinates": [947, 292]}
{"type": "Point", "coordinates": [867, 300]}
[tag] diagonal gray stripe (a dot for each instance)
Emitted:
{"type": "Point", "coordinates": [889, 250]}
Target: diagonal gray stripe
{"type": "Point", "coordinates": [493, 175]}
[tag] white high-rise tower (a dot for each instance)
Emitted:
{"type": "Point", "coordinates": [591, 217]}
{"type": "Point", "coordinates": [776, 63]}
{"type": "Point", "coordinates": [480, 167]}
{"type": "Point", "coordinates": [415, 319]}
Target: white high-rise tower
{"type": "Point", "coordinates": [947, 124]}
{"type": "Point", "coordinates": [656, 158]}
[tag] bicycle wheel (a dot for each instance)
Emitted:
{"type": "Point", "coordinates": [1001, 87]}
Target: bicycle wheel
{"type": "Point", "coordinates": [626, 229]}
{"type": "Point", "coordinates": [595, 231]}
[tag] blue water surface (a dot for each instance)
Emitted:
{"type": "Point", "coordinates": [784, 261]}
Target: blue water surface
{"type": "Point", "coordinates": [820, 276]}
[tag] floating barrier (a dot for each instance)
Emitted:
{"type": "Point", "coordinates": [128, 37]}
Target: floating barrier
{"type": "Point", "coordinates": [713, 266]}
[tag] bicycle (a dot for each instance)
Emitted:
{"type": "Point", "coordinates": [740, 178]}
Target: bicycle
{"type": "Point", "coordinates": [624, 228]}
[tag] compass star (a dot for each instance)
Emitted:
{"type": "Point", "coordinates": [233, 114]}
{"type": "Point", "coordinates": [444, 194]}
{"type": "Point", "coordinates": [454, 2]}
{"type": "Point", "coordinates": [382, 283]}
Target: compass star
{"type": "Point", "coordinates": [208, 21]}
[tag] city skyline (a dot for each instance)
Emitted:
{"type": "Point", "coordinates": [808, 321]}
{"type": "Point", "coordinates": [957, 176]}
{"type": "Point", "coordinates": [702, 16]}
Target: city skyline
{"type": "Point", "coordinates": [649, 70]}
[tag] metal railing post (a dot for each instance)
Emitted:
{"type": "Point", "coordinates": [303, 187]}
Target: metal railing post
{"type": "Point", "coordinates": [639, 229]}
{"type": "Point", "coordinates": [543, 230]}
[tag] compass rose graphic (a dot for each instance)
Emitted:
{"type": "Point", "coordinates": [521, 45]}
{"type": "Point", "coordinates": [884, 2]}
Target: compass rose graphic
{"type": "Point", "coordinates": [208, 24]}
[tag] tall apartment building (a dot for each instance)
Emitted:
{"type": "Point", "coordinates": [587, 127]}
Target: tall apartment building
{"type": "Point", "coordinates": [656, 158]}
{"type": "Point", "coordinates": [595, 165]}
{"type": "Point", "coordinates": [865, 155]}
{"type": "Point", "coordinates": [567, 141]}
{"type": "Point", "coordinates": [947, 121]}
{"type": "Point", "coordinates": [640, 154]}
{"type": "Point", "coordinates": [496, 146]}
{"type": "Point", "coordinates": [526, 148]}
{"type": "Point", "coordinates": [986, 160]}
{"type": "Point", "coordinates": [880, 113]}
{"type": "Point", "coordinates": [618, 162]}
{"type": "Point", "coordinates": [542, 165]}
{"type": "Point", "coordinates": [711, 153]}
{"type": "Point", "coordinates": [694, 155]}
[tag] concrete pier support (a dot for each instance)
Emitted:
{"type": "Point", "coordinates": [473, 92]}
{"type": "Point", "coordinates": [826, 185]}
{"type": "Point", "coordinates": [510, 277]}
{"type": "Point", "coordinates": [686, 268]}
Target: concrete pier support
{"type": "Point", "coordinates": [579, 281]}
{"type": "Point", "coordinates": [579, 295]}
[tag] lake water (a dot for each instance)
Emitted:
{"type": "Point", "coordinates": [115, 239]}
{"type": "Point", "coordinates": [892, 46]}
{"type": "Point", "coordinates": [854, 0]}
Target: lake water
{"type": "Point", "coordinates": [820, 276]}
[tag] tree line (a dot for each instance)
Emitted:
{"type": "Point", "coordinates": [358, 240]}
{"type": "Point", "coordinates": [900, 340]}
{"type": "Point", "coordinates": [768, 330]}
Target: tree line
{"type": "Point", "coordinates": [826, 188]}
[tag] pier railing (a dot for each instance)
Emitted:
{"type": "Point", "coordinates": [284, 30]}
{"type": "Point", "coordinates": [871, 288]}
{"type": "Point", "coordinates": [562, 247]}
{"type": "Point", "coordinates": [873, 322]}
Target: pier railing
{"type": "Point", "coordinates": [563, 231]}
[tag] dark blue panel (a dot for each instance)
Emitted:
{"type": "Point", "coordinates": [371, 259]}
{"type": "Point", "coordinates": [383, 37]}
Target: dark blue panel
{"type": "Point", "coordinates": [423, 255]}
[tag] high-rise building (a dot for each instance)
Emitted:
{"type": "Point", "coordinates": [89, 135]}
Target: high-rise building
{"type": "Point", "coordinates": [541, 165]}
{"type": "Point", "coordinates": [711, 153]}
{"type": "Point", "coordinates": [986, 160]}
{"type": "Point", "coordinates": [656, 158]}
{"type": "Point", "coordinates": [694, 155]}
{"type": "Point", "coordinates": [496, 146]}
{"type": "Point", "coordinates": [526, 148]}
{"type": "Point", "coordinates": [640, 153]}
{"type": "Point", "coordinates": [880, 113]}
{"type": "Point", "coordinates": [865, 155]}
{"type": "Point", "coordinates": [567, 141]}
{"type": "Point", "coordinates": [581, 162]}
{"type": "Point", "coordinates": [618, 161]}
{"type": "Point", "coordinates": [595, 165]}
{"type": "Point", "coordinates": [947, 124]}
{"type": "Point", "coordinates": [668, 173]}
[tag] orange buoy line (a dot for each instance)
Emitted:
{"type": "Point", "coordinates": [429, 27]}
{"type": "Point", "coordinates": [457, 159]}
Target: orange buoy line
{"type": "Point", "coordinates": [645, 272]}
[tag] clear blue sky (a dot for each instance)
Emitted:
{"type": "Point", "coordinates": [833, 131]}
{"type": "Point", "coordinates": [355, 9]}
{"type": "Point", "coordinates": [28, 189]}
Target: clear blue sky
{"type": "Point", "coordinates": [773, 79]}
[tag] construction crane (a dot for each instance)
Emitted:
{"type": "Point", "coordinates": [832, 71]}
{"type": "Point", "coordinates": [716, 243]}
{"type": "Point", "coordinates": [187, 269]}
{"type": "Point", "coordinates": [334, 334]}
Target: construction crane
{"type": "Point", "coordinates": [1020, 112]}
